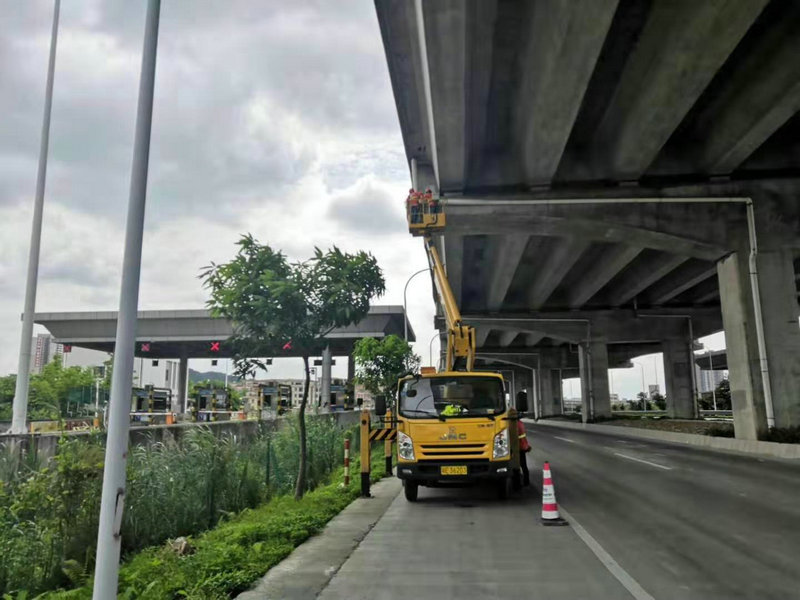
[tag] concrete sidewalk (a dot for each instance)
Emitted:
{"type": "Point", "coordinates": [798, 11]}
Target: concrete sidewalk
{"type": "Point", "coordinates": [305, 572]}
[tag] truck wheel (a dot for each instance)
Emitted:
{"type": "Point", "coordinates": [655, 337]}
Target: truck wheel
{"type": "Point", "coordinates": [504, 488]}
{"type": "Point", "coordinates": [411, 489]}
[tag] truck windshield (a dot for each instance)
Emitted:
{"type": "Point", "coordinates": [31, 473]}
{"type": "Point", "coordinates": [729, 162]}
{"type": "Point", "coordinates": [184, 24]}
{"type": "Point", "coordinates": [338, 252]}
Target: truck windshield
{"type": "Point", "coordinates": [454, 396]}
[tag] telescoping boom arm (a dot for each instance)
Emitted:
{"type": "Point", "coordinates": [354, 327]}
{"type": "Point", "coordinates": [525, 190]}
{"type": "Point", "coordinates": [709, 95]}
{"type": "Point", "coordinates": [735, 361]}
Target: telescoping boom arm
{"type": "Point", "coordinates": [460, 337]}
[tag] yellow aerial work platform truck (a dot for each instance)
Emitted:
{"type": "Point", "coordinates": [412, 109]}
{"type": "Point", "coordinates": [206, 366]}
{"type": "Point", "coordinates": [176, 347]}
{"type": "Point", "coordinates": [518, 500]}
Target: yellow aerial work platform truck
{"type": "Point", "coordinates": [454, 426]}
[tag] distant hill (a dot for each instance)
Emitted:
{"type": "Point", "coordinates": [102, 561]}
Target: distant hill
{"type": "Point", "coordinates": [195, 376]}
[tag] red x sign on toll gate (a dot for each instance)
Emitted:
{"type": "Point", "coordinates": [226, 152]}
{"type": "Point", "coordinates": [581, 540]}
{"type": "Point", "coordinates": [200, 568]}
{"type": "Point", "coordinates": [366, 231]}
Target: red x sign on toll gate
{"type": "Point", "coordinates": [145, 347]}
{"type": "Point", "coordinates": [215, 346]}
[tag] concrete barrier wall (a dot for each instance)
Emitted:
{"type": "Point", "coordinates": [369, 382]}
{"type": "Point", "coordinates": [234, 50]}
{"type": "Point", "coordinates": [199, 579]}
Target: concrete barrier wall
{"type": "Point", "coordinates": [46, 444]}
{"type": "Point", "coordinates": [773, 449]}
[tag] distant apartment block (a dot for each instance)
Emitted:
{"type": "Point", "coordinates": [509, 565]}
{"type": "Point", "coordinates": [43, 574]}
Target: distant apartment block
{"type": "Point", "coordinates": [44, 349]}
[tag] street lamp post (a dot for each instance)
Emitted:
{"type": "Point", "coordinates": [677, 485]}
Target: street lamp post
{"type": "Point", "coordinates": [644, 389]}
{"type": "Point", "coordinates": [20, 405]}
{"type": "Point", "coordinates": [112, 500]}
{"type": "Point", "coordinates": [713, 380]}
{"type": "Point", "coordinates": [430, 347]}
{"type": "Point", "coordinates": [405, 309]}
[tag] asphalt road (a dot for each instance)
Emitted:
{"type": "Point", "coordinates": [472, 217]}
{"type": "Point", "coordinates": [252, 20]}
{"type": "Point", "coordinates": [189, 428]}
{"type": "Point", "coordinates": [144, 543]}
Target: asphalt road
{"type": "Point", "coordinates": [684, 522]}
{"type": "Point", "coordinates": [649, 521]}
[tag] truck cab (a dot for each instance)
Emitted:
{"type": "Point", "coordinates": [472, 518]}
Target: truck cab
{"type": "Point", "coordinates": [453, 428]}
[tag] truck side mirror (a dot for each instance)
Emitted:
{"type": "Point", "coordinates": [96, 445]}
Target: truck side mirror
{"type": "Point", "coordinates": [380, 405]}
{"type": "Point", "coordinates": [522, 402]}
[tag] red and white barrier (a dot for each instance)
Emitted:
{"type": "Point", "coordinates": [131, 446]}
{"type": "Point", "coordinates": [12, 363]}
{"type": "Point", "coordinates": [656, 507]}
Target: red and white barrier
{"type": "Point", "coordinates": [550, 515]}
{"type": "Point", "coordinates": [347, 463]}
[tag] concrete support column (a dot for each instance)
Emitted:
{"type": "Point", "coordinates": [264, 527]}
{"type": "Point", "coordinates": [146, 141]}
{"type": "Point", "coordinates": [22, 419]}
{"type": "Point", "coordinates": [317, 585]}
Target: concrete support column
{"type": "Point", "coordinates": [183, 381]}
{"type": "Point", "coordinates": [351, 368]}
{"type": "Point", "coordinates": [325, 394]}
{"type": "Point", "coordinates": [557, 390]}
{"type": "Point", "coordinates": [678, 379]}
{"type": "Point", "coordinates": [551, 392]}
{"type": "Point", "coordinates": [781, 334]}
{"type": "Point", "coordinates": [593, 365]}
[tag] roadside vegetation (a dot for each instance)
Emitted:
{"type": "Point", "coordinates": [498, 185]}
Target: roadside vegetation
{"type": "Point", "coordinates": [57, 392]}
{"type": "Point", "coordinates": [48, 513]}
{"type": "Point", "coordinates": [278, 307]}
{"type": "Point", "coordinates": [381, 363]}
{"type": "Point", "coordinates": [230, 558]}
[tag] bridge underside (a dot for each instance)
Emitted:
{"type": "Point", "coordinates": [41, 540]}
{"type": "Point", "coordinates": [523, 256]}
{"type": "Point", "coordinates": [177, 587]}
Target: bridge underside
{"type": "Point", "coordinates": [552, 130]}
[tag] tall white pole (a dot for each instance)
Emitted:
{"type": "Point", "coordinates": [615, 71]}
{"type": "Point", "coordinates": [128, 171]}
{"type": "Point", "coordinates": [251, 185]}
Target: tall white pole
{"type": "Point", "coordinates": [106, 571]}
{"type": "Point", "coordinates": [713, 380]}
{"type": "Point", "coordinates": [644, 388]}
{"type": "Point", "coordinates": [20, 410]}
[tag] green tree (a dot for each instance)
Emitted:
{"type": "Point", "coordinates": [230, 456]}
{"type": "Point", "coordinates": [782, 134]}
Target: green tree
{"type": "Point", "coordinates": [50, 389]}
{"type": "Point", "coordinates": [7, 386]}
{"type": "Point", "coordinates": [660, 401]}
{"type": "Point", "coordinates": [380, 363]}
{"type": "Point", "coordinates": [276, 306]}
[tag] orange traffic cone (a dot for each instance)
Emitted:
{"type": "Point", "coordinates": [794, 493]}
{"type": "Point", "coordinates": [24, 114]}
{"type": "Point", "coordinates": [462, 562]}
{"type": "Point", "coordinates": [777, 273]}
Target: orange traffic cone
{"type": "Point", "coordinates": [550, 514]}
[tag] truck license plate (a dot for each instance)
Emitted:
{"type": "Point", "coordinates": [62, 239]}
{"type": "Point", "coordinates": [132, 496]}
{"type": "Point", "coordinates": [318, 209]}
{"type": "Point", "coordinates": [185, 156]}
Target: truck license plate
{"type": "Point", "coordinates": [456, 470]}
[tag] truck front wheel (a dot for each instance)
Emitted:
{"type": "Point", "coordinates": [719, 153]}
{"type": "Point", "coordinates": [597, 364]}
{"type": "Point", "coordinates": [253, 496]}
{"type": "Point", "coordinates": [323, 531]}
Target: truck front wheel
{"type": "Point", "coordinates": [411, 489]}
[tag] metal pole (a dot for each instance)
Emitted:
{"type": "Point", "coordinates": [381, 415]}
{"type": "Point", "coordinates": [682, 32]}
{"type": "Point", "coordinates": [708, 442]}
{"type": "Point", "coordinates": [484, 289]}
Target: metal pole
{"type": "Point", "coordinates": [430, 347]}
{"type": "Point", "coordinates": [112, 502]}
{"type": "Point", "coordinates": [20, 409]}
{"type": "Point", "coordinates": [644, 389]}
{"type": "Point", "coordinates": [713, 380]}
{"type": "Point", "coordinates": [405, 309]}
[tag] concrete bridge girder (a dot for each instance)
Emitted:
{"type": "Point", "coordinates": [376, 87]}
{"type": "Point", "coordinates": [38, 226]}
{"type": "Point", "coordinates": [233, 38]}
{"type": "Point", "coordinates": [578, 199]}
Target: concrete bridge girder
{"type": "Point", "coordinates": [668, 228]}
{"type": "Point", "coordinates": [611, 326]}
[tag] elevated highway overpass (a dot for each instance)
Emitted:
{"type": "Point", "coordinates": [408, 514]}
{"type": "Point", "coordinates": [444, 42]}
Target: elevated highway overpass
{"type": "Point", "coordinates": [597, 159]}
{"type": "Point", "coordinates": [185, 334]}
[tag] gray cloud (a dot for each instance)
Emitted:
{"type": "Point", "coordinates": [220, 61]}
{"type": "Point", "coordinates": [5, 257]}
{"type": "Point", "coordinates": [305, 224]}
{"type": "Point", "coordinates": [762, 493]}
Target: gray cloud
{"type": "Point", "coordinates": [270, 117]}
{"type": "Point", "coordinates": [369, 208]}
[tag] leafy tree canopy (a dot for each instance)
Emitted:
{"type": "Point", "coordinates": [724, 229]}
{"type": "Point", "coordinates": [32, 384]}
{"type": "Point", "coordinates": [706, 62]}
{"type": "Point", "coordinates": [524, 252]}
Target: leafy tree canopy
{"type": "Point", "coordinates": [273, 302]}
{"type": "Point", "coordinates": [275, 305]}
{"type": "Point", "coordinates": [380, 363]}
{"type": "Point", "coordinates": [49, 390]}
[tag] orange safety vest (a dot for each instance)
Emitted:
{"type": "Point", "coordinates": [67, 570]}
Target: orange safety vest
{"type": "Point", "coordinates": [524, 446]}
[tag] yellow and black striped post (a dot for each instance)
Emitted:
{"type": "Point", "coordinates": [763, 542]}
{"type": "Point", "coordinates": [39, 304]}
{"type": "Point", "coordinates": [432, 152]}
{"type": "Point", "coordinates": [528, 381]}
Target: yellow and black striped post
{"type": "Point", "coordinates": [387, 445]}
{"type": "Point", "coordinates": [365, 458]}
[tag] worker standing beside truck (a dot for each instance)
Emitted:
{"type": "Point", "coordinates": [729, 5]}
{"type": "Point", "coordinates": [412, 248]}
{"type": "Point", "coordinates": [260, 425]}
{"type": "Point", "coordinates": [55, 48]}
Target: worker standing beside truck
{"type": "Point", "coordinates": [524, 448]}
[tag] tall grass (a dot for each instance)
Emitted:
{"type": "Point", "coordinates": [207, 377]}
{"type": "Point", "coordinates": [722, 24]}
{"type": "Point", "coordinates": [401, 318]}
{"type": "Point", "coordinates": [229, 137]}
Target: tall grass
{"type": "Point", "coordinates": [48, 515]}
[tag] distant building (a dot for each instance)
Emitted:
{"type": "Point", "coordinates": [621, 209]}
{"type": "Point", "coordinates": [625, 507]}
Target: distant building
{"type": "Point", "coordinates": [366, 397]}
{"type": "Point", "coordinates": [707, 381]}
{"type": "Point", "coordinates": [249, 389]}
{"type": "Point", "coordinates": [653, 390]}
{"type": "Point", "coordinates": [571, 404]}
{"type": "Point", "coordinates": [43, 350]}
{"type": "Point", "coordinates": [614, 398]}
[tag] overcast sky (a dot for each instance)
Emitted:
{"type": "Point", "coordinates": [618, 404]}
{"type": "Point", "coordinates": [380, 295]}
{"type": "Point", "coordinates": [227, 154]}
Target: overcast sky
{"type": "Point", "coordinates": [270, 118]}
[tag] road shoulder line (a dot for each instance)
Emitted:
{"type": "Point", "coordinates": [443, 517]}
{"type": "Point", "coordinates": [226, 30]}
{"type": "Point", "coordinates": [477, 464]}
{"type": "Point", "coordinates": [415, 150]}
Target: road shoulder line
{"type": "Point", "coordinates": [620, 574]}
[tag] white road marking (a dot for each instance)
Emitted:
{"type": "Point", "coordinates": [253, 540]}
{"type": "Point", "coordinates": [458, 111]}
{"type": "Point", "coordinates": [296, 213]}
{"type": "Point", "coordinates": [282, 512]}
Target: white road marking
{"type": "Point", "coordinates": [620, 574]}
{"type": "Point", "coordinates": [647, 462]}
{"type": "Point", "coordinates": [565, 439]}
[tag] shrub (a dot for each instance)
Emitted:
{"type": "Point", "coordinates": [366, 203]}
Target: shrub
{"type": "Point", "coordinates": [783, 435]}
{"type": "Point", "coordinates": [720, 431]}
{"type": "Point", "coordinates": [230, 558]}
{"type": "Point", "coordinates": [48, 516]}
